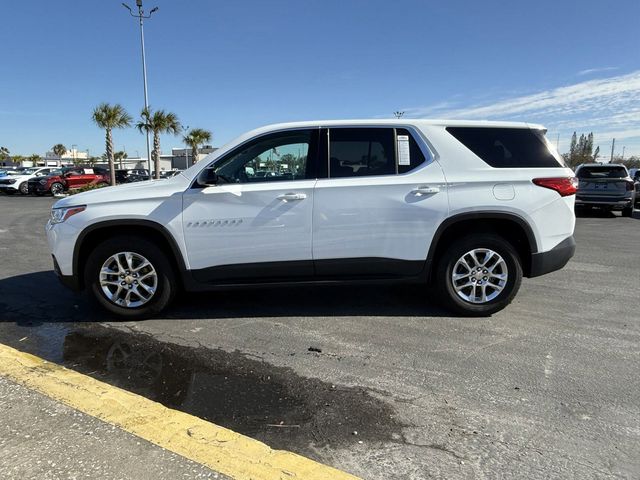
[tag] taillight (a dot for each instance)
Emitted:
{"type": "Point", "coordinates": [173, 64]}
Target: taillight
{"type": "Point", "coordinates": [565, 186]}
{"type": "Point", "coordinates": [630, 186]}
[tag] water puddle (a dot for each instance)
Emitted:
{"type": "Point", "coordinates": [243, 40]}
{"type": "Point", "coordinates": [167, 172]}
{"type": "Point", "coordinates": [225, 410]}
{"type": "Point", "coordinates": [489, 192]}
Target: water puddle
{"type": "Point", "coordinates": [269, 403]}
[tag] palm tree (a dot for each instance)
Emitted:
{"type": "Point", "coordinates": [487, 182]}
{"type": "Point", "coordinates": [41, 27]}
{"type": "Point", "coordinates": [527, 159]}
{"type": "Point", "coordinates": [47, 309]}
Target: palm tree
{"type": "Point", "coordinates": [194, 139]}
{"type": "Point", "coordinates": [120, 156]}
{"type": "Point", "coordinates": [4, 154]}
{"type": "Point", "coordinates": [59, 150]}
{"type": "Point", "coordinates": [34, 158]}
{"type": "Point", "coordinates": [157, 123]}
{"type": "Point", "coordinates": [109, 117]}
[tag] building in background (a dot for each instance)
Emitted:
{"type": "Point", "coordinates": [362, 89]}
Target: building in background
{"type": "Point", "coordinates": [71, 157]}
{"type": "Point", "coordinates": [182, 158]}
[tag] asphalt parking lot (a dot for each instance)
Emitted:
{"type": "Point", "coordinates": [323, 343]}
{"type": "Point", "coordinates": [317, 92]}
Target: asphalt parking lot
{"type": "Point", "coordinates": [377, 381]}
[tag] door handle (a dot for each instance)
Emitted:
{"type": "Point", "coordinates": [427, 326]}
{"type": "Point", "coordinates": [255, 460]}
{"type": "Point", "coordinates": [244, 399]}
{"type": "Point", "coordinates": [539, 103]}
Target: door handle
{"type": "Point", "coordinates": [290, 197]}
{"type": "Point", "coordinates": [425, 190]}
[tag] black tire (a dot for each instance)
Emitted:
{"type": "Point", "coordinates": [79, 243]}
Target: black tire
{"type": "Point", "coordinates": [166, 278]}
{"type": "Point", "coordinates": [627, 212]}
{"type": "Point", "coordinates": [56, 188]}
{"type": "Point", "coordinates": [445, 285]}
{"type": "Point", "coordinates": [24, 188]}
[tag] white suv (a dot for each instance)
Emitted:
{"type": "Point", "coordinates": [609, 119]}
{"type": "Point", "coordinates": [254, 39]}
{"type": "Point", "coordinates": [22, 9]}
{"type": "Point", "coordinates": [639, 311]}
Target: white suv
{"type": "Point", "coordinates": [466, 207]}
{"type": "Point", "coordinates": [19, 181]}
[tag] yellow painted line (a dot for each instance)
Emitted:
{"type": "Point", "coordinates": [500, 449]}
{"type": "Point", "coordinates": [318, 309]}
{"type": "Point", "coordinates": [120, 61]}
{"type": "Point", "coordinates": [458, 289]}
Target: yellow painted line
{"type": "Point", "coordinates": [216, 447]}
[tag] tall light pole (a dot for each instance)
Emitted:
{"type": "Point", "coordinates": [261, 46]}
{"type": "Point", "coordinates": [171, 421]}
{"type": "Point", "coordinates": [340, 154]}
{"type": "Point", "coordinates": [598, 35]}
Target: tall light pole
{"type": "Point", "coordinates": [141, 16]}
{"type": "Point", "coordinates": [186, 152]}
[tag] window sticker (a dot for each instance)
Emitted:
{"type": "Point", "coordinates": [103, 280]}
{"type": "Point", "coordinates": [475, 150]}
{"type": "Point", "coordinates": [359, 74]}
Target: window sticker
{"type": "Point", "coordinates": [404, 157]}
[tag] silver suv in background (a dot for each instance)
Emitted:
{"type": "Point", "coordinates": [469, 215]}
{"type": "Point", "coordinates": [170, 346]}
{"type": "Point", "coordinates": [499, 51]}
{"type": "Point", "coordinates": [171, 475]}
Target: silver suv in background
{"type": "Point", "coordinates": [607, 186]}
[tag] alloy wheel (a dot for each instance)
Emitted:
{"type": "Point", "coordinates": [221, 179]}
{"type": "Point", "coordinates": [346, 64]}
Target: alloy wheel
{"type": "Point", "coordinates": [128, 279]}
{"type": "Point", "coordinates": [479, 276]}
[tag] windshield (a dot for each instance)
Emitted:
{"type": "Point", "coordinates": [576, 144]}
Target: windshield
{"type": "Point", "coordinates": [605, 171]}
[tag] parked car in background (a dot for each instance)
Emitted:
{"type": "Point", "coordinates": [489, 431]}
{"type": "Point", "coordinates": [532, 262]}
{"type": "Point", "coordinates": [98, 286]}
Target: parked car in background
{"type": "Point", "coordinates": [142, 172]}
{"type": "Point", "coordinates": [607, 186]}
{"type": "Point", "coordinates": [169, 173]}
{"type": "Point", "coordinates": [68, 179]}
{"type": "Point", "coordinates": [17, 180]}
{"type": "Point", "coordinates": [3, 172]}
{"type": "Point", "coordinates": [636, 181]}
{"type": "Point", "coordinates": [127, 176]}
{"type": "Point", "coordinates": [466, 207]}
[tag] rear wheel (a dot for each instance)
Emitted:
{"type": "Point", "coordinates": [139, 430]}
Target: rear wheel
{"type": "Point", "coordinates": [478, 275]}
{"type": "Point", "coordinates": [130, 277]}
{"type": "Point", "coordinates": [57, 188]}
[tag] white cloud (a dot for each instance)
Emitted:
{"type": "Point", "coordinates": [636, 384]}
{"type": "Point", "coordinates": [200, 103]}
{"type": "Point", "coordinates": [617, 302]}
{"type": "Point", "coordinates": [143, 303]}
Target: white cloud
{"type": "Point", "coordinates": [610, 107]}
{"type": "Point", "coordinates": [589, 71]}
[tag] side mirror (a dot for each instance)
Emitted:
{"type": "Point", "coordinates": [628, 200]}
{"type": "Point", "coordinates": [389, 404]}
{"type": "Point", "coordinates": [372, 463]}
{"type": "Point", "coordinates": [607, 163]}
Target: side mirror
{"type": "Point", "coordinates": [207, 178]}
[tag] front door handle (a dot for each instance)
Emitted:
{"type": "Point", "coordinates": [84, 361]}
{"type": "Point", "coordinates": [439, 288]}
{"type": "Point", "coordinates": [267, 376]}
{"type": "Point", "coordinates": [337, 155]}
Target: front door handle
{"type": "Point", "coordinates": [425, 190]}
{"type": "Point", "coordinates": [290, 197]}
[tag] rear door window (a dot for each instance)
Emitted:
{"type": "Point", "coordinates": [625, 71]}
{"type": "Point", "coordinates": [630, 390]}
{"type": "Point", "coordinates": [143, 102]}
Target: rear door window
{"type": "Point", "coordinates": [508, 147]}
{"type": "Point", "coordinates": [362, 152]}
{"type": "Point", "coordinates": [415, 158]}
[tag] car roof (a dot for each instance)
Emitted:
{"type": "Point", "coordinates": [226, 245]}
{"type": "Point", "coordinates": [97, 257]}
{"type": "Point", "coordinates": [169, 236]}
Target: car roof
{"type": "Point", "coordinates": [401, 122]}
{"type": "Point", "coordinates": [608, 165]}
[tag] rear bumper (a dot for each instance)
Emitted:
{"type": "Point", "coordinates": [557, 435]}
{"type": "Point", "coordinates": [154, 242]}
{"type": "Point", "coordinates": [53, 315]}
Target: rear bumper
{"type": "Point", "coordinates": [554, 259]}
{"type": "Point", "coordinates": [614, 202]}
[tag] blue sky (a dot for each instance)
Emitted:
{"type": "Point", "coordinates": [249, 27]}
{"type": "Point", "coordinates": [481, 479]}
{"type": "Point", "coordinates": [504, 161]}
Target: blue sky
{"type": "Point", "coordinates": [230, 66]}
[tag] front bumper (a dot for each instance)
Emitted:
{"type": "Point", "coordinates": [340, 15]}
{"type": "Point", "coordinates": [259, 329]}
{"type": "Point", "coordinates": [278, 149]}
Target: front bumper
{"type": "Point", "coordinates": [10, 188]}
{"type": "Point", "coordinates": [554, 259]}
{"type": "Point", "coordinates": [69, 281]}
{"type": "Point", "coordinates": [37, 188]}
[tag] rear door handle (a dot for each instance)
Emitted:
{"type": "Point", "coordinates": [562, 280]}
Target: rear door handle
{"type": "Point", "coordinates": [290, 197]}
{"type": "Point", "coordinates": [425, 190]}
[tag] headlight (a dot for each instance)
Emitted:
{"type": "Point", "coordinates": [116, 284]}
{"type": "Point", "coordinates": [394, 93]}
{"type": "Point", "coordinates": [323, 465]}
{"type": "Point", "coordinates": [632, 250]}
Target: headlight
{"type": "Point", "coordinates": [59, 215]}
{"type": "Point", "coordinates": [42, 182]}
{"type": "Point", "coordinates": [12, 181]}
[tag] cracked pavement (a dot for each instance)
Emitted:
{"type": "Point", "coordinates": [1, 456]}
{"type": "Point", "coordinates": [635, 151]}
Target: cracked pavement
{"type": "Point", "coordinates": [547, 388]}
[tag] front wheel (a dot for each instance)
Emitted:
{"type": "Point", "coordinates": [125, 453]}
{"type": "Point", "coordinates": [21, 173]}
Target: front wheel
{"type": "Point", "coordinates": [478, 275]}
{"type": "Point", "coordinates": [24, 188]}
{"type": "Point", "coordinates": [130, 277]}
{"type": "Point", "coordinates": [627, 211]}
{"type": "Point", "coordinates": [57, 189]}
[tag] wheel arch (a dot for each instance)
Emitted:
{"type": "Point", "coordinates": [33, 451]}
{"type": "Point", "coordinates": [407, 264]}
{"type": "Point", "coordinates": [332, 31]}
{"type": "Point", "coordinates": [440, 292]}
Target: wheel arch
{"type": "Point", "coordinates": [94, 234]}
{"type": "Point", "coordinates": [510, 226]}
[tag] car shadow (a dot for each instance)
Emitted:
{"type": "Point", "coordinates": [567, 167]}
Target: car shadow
{"type": "Point", "coordinates": [36, 298]}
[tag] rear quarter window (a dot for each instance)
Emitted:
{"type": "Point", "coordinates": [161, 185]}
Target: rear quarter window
{"type": "Point", "coordinates": [507, 147]}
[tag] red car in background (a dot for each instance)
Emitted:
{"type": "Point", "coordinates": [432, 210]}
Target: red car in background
{"type": "Point", "coordinates": [68, 179]}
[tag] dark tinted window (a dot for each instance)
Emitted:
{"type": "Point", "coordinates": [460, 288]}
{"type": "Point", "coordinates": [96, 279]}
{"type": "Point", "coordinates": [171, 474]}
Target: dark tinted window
{"type": "Point", "coordinates": [507, 147]}
{"type": "Point", "coordinates": [359, 152]}
{"type": "Point", "coordinates": [416, 157]}
{"type": "Point", "coordinates": [605, 171]}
